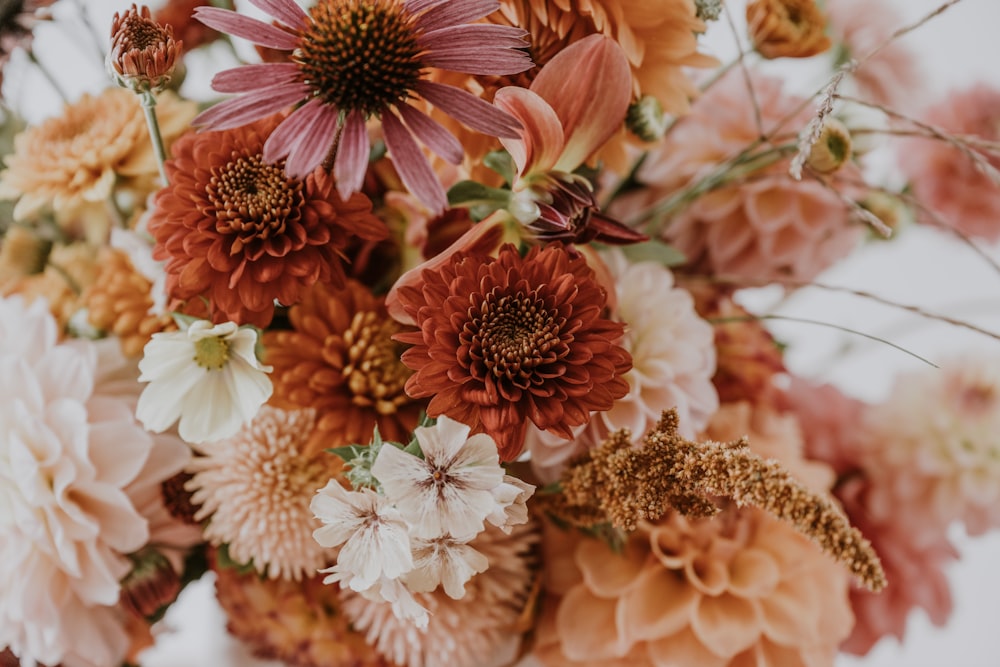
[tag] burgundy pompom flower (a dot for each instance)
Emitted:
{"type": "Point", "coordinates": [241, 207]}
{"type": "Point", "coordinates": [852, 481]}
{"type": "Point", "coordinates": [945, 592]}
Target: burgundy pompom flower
{"type": "Point", "coordinates": [508, 340]}
{"type": "Point", "coordinates": [358, 59]}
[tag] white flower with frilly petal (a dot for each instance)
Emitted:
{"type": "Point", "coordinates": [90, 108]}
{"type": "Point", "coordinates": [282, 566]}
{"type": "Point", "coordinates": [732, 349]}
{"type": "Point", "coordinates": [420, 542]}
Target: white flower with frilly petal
{"type": "Point", "coordinates": [450, 490]}
{"type": "Point", "coordinates": [208, 377]}
{"type": "Point", "coordinates": [446, 561]}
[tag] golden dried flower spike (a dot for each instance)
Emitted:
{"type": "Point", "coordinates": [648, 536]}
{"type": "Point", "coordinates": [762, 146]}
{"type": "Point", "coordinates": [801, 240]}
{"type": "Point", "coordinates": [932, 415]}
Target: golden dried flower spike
{"type": "Point", "coordinates": [142, 58]}
{"type": "Point", "coordinates": [619, 484]}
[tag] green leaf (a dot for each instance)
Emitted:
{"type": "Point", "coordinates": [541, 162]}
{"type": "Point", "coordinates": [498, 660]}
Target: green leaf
{"type": "Point", "coordinates": [346, 453]}
{"type": "Point", "coordinates": [481, 200]}
{"type": "Point", "coordinates": [654, 251]}
{"type": "Point", "coordinates": [501, 162]}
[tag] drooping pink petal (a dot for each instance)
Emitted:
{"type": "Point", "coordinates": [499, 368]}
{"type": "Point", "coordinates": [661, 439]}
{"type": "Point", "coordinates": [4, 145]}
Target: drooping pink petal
{"type": "Point", "coordinates": [589, 85]}
{"type": "Point", "coordinates": [246, 27]}
{"type": "Point", "coordinates": [248, 78]}
{"type": "Point", "coordinates": [431, 133]}
{"type": "Point", "coordinates": [351, 162]}
{"type": "Point", "coordinates": [316, 143]}
{"type": "Point", "coordinates": [453, 13]}
{"type": "Point", "coordinates": [463, 48]}
{"type": "Point", "coordinates": [250, 107]}
{"type": "Point", "coordinates": [485, 61]}
{"type": "Point", "coordinates": [285, 11]}
{"type": "Point", "coordinates": [291, 132]}
{"type": "Point", "coordinates": [541, 140]}
{"type": "Point", "coordinates": [470, 110]}
{"type": "Point", "coordinates": [416, 6]}
{"type": "Point", "coordinates": [414, 169]}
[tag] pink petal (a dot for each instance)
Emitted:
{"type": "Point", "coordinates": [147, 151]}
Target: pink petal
{"type": "Point", "coordinates": [416, 6]}
{"type": "Point", "coordinates": [484, 61]}
{"type": "Point", "coordinates": [470, 110]}
{"type": "Point", "coordinates": [453, 13]}
{"type": "Point", "coordinates": [541, 141]}
{"type": "Point", "coordinates": [246, 27]}
{"type": "Point", "coordinates": [412, 165]}
{"type": "Point", "coordinates": [285, 11]}
{"type": "Point", "coordinates": [351, 164]}
{"type": "Point", "coordinates": [431, 133]}
{"type": "Point", "coordinates": [589, 85]}
{"type": "Point", "coordinates": [249, 78]}
{"type": "Point", "coordinates": [477, 49]}
{"type": "Point", "coordinates": [250, 107]}
{"type": "Point", "coordinates": [317, 141]}
{"type": "Point", "coordinates": [291, 132]}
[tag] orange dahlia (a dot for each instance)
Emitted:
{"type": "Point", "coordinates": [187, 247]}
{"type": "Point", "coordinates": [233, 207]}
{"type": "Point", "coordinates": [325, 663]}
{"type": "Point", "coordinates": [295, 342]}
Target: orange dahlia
{"type": "Point", "coordinates": [339, 359]}
{"type": "Point", "coordinates": [509, 339]}
{"type": "Point", "coordinates": [239, 231]}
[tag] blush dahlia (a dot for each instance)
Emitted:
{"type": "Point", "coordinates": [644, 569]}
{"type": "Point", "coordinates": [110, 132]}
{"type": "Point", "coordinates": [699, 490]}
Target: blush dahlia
{"type": "Point", "coordinates": [508, 340]}
{"type": "Point", "coordinates": [240, 232]}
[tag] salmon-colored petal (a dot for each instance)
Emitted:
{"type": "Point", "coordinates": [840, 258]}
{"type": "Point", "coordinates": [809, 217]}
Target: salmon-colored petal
{"type": "Point", "coordinates": [727, 624]}
{"type": "Point", "coordinates": [586, 624]}
{"type": "Point", "coordinates": [541, 142]}
{"type": "Point", "coordinates": [753, 574]}
{"type": "Point", "coordinates": [660, 603]}
{"type": "Point", "coordinates": [589, 85]}
{"type": "Point", "coordinates": [609, 574]}
{"type": "Point", "coordinates": [682, 649]}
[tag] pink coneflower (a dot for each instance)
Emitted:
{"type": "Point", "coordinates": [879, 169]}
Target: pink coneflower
{"type": "Point", "coordinates": [357, 59]}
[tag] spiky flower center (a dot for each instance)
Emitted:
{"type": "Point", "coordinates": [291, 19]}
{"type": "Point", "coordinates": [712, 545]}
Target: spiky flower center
{"type": "Point", "coordinates": [359, 55]}
{"type": "Point", "coordinates": [374, 372]}
{"type": "Point", "coordinates": [511, 337]}
{"type": "Point", "coordinates": [252, 199]}
{"type": "Point", "coordinates": [211, 353]}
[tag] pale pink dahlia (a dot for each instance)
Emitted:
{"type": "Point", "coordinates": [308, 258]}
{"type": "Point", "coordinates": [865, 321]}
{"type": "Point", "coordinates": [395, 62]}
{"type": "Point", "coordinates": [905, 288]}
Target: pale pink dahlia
{"type": "Point", "coordinates": [353, 60]}
{"type": "Point", "coordinates": [763, 225]}
{"type": "Point", "coordinates": [948, 181]}
{"type": "Point", "coordinates": [70, 450]}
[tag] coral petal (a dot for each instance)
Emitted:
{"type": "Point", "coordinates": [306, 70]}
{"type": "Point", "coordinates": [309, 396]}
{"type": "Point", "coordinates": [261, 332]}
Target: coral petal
{"type": "Point", "coordinates": [541, 141]}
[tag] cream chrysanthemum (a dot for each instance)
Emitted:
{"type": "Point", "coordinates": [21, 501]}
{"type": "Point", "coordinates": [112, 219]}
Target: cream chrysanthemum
{"type": "Point", "coordinates": [480, 630]}
{"type": "Point", "coordinates": [69, 449]}
{"type": "Point", "coordinates": [255, 488]}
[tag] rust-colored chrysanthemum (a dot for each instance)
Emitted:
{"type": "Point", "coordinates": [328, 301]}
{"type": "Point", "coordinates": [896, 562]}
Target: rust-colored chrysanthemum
{"type": "Point", "coordinates": [297, 622]}
{"type": "Point", "coordinates": [506, 340]}
{"type": "Point", "coordinates": [787, 28]}
{"type": "Point", "coordinates": [179, 15]}
{"type": "Point", "coordinates": [98, 145]}
{"type": "Point", "coordinates": [240, 232]}
{"type": "Point", "coordinates": [119, 302]}
{"type": "Point", "coordinates": [340, 360]}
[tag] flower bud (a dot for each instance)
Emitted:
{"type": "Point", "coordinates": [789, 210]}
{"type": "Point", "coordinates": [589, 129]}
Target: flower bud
{"type": "Point", "coordinates": [143, 53]}
{"type": "Point", "coordinates": [787, 28]}
{"type": "Point", "coordinates": [832, 149]}
{"type": "Point", "coordinates": [645, 119]}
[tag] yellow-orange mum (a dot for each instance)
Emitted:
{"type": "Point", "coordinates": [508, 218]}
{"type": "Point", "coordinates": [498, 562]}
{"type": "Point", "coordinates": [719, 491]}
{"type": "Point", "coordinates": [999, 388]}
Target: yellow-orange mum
{"type": "Point", "coordinates": [787, 28]}
{"type": "Point", "coordinates": [340, 360]}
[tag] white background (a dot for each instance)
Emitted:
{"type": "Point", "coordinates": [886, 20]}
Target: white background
{"type": "Point", "coordinates": [921, 268]}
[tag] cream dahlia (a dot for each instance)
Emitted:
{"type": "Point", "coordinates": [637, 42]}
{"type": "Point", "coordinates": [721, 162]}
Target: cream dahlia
{"type": "Point", "coordinates": [353, 60]}
{"type": "Point", "coordinates": [508, 340]}
{"type": "Point", "coordinates": [70, 448]}
{"type": "Point", "coordinates": [237, 230]}
{"type": "Point", "coordinates": [255, 488]}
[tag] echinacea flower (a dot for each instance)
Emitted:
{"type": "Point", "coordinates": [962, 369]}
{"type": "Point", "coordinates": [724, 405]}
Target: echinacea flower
{"type": "Point", "coordinates": [482, 628]}
{"type": "Point", "coordinates": [239, 231]}
{"type": "Point", "coordinates": [359, 59]}
{"type": "Point", "coordinates": [70, 448]}
{"type": "Point", "coordinates": [450, 490]}
{"type": "Point", "coordinates": [206, 377]}
{"type": "Point", "coordinates": [255, 488]}
{"type": "Point", "coordinates": [509, 340]}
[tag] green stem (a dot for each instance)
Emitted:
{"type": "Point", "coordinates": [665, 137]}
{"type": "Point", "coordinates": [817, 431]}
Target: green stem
{"type": "Point", "coordinates": [149, 109]}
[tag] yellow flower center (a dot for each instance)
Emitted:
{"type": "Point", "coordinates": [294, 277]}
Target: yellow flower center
{"type": "Point", "coordinates": [211, 353]}
{"type": "Point", "coordinates": [374, 372]}
{"type": "Point", "coordinates": [359, 55]}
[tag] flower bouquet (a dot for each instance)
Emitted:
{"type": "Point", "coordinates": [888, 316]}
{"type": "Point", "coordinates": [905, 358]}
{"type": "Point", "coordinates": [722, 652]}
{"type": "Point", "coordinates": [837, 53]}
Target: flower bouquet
{"type": "Point", "coordinates": [443, 332]}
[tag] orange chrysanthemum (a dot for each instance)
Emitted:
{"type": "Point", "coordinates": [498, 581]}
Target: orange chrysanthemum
{"type": "Point", "coordinates": [506, 340]}
{"type": "Point", "coordinates": [239, 231]}
{"type": "Point", "coordinates": [340, 360]}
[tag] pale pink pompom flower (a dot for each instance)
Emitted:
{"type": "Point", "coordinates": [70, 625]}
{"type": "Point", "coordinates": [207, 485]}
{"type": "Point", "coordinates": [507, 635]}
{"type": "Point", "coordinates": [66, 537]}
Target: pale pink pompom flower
{"type": "Point", "coordinates": [354, 60]}
{"type": "Point", "coordinates": [947, 180]}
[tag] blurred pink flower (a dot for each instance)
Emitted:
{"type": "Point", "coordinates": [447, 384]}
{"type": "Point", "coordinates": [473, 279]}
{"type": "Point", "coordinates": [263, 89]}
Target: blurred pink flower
{"type": "Point", "coordinates": [948, 181]}
{"type": "Point", "coordinates": [71, 452]}
{"type": "Point", "coordinates": [764, 226]}
{"type": "Point", "coordinates": [892, 77]}
{"type": "Point", "coordinates": [355, 60]}
{"type": "Point", "coordinates": [831, 423]}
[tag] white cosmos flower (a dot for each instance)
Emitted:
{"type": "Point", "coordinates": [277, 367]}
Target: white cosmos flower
{"type": "Point", "coordinates": [208, 377]}
{"type": "Point", "coordinates": [512, 498]}
{"type": "Point", "coordinates": [374, 536]}
{"type": "Point", "coordinates": [450, 490]}
{"type": "Point", "coordinates": [446, 561]}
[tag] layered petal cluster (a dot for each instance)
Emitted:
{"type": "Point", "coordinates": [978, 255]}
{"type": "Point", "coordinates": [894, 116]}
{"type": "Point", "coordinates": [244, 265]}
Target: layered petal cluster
{"type": "Point", "coordinates": [762, 227]}
{"type": "Point", "coordinates": [944, 178]}
{"type": "Point", "coordinates": [508, 340]}
{"type": "Point", "coordinates": [352, 61]}
{"type": "Point", "coordinates": [255, 489]}
{"type": "Point", "coordinates": [70, 448]}
{"type": "Point", "coordinates": [74, 160]}
{"type": "Point", "coordinates": [741, 589]}
{"type": "Point", "coordinates": [239, 231]}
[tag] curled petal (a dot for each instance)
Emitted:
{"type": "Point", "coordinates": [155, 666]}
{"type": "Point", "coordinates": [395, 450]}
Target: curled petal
{"type": "Point", "coordinates": [541, 141]}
